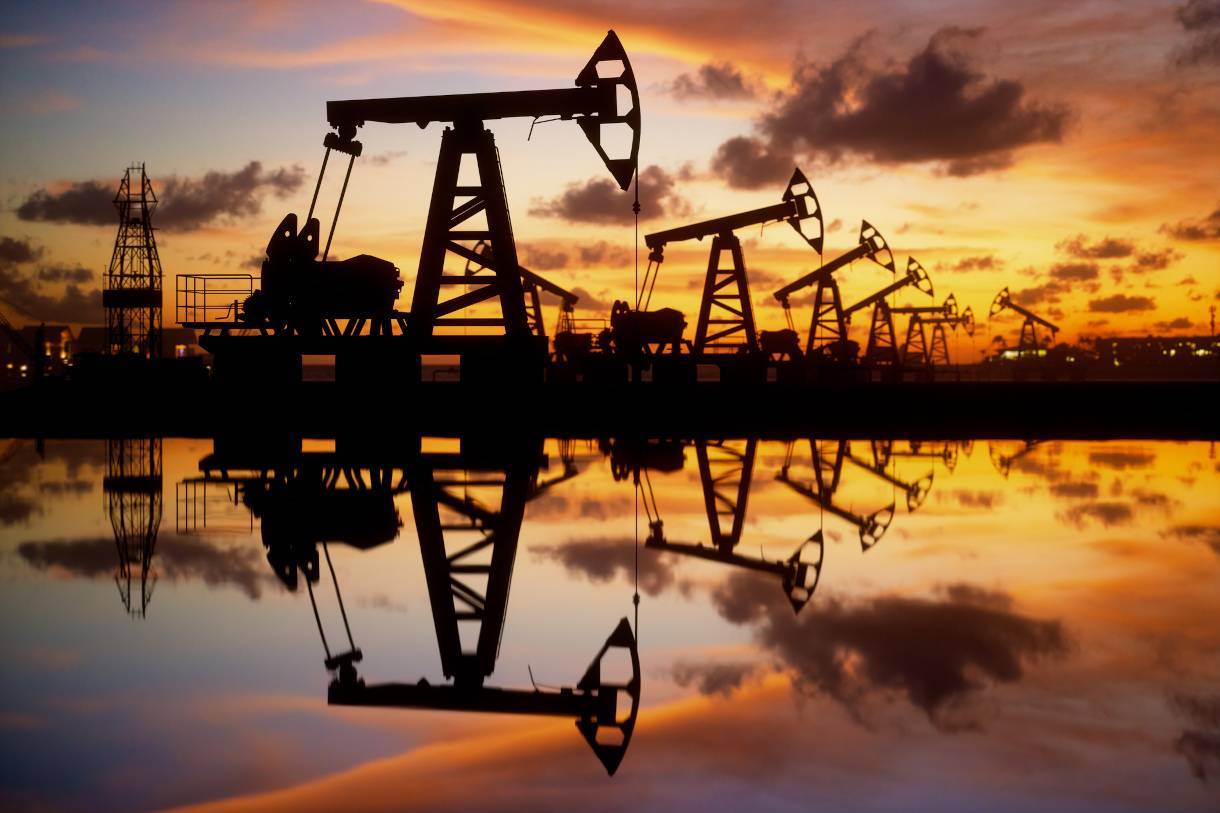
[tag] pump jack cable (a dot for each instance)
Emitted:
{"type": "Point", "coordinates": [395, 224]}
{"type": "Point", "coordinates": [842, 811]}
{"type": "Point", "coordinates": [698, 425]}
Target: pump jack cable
{"type": "Point", "coordinates": [635, 598]}
{"type": "Point", "coordinates": [635, 208]}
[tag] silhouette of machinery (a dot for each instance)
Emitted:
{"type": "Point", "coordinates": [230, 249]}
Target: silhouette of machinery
{"type": "Point", "coordinates": [827, 459]}
{"type": "Point", "coordinates": [916, 351]}
{"type": "Point", "coordinates": [726, 314]}
{"type": "Point", "coordinates": [131, 295]}
{"type": "Point", "coordinates": [938, 348]}
{"type": "Point", "coordinates": [132, 490]}
{"type": "Point", "coordinates": [882, 347]}
{"type": "Point", "coordinates": [347, 308]}
{"type": "Point", "coordinates": [468, 508]}
{"type": "Point", "coordinates": [1003, 460]}
{"type": "Point", "coordinates": [828, 340]}
{"type": "Point", "coordinates": [1029, 345]}
{"type": "Point", "coordinates": [726, 470]}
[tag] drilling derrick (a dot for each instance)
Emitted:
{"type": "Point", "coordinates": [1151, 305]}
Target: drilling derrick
{"type": "Point", "coordinates": [132, 487]}
{"type": "Point", "coordinates": [132, 293]}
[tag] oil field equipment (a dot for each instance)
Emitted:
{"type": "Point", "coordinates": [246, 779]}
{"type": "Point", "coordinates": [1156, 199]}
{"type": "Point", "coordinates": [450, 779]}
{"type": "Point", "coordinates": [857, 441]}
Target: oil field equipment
{"type": "Point", "coordinates": [915, 350]}
{"type": "Point", "coordinates": [1029, 345]}
{"type": "Point", "coordinates": [882, 347]}
{"type": "Point", "coordinates": [828, 330]}
{"type": "Point", "coordinates": [132, 291]}
{"type": "Point", "coordinates": [726, 314]}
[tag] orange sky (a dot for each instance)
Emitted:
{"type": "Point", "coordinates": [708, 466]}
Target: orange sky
{"type": "Point", "coordinates": [1068, 152]}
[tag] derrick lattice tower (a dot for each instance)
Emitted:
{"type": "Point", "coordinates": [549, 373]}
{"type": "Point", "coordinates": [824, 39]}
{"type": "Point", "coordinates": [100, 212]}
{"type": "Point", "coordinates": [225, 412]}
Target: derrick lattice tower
{"type": "Point", "coordinates": [132, 292]}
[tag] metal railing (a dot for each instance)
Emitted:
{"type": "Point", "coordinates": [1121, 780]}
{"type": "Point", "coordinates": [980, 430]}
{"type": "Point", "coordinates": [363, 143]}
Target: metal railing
{"type": "Point", "coordinates": [204, 300]}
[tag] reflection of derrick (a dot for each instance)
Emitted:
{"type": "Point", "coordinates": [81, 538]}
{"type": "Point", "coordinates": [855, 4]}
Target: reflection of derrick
{"type": "Point", "coordinates": [827, 459]}
{"type": "Point", "coordinates": [468, 512]}
{"type": "Point", "coordinates": [132, 488]}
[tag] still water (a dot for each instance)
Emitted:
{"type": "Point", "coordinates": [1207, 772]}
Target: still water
{"type": "Point", "coordinates": [618, 625]}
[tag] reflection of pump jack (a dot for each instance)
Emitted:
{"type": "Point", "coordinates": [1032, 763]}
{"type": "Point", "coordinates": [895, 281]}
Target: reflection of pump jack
{"type": "Point", "coordinates": [916, 492]}
{"type": "Point", "coordinates": [944, 451]}
{"type": "Point", "coordinates": [1003, 462]}
{"type": "Point", "coordinates": [726, 471]}
{"type": "Point", "coordinates": [828, 468]}
{"type": "Point", "coordinates": [474, 543]}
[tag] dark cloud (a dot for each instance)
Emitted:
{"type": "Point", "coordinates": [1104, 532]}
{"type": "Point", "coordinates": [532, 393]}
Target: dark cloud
{"type": "Point", "coordinates": [1205, 228]}
{"type": "Point", "coordinates": [185, 203]}
{"type": "Point", "coordinates": [938, 108]}
{"type": "Point", "coordinates": [175, 558]}
{"type": "Point", "coordinates": [1180, 323]}
{"type": "Point", "coordinates": [713, 678]}
{"type": "Point", "coordinates": [1147, 261]}
{"type": "Point", "coordinates": [937, 652]}
{"type": "Point", "coordinates": [1121, 461]}
{"type": "Point", "coordinates": [1205, 534]}
{"type": "Point", "coordinates": [601, 560]}
{"type": "Point", "coordinates": [746, 162]}
{"type": "Point", "coordinates": [542, 259]}
{"type": "Point", "coordinates": [1107, 248]}
{"type": "Point", "coordinates": [1121, 303]}
{"type": "Point", "coordinates": [64, 273]}
{"type": "Point", "coordinates": [1109, 514]}
{"type": "Point", "coordinates": [1199, 744]}
{"type": "Point", "coordinates": [599, 200]}
{"type": "Point", "coordinates": [14, 251]}
{"type": "Point", "coordinates": [719, 81]}
{"type": "Point", "coordinates": [987, 262]}
{"type": "Point", "coordinates": [1075, 272]}
{"type": "Point", "coordinates": [590, 302]}
{"type": "Point", "coordinates": [1048, 292]}
{"type": "Point", "coordinates": [1077, 491]}
{"type": "Point", "coordinates": [977, 499]}
{"type": "Point", "coordinates": [25, 291]}
{"type": "Point", "coordinates": [602, 253]}
{"type": "Point", "coordinates": [1202, 19]}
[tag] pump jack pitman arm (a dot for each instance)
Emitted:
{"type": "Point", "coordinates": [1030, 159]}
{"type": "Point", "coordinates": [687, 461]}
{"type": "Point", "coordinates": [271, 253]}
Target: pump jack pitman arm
{"type": "Point", "coordinates": [798, 204]}
{"type": "Point", "coordinates": [872, 245]}
{"type": "Point", "coordinates": [592, 103]}
{"type": "Point", "coordinates": [1004, 300]}
{"type": "Point", "coordinates": [947, 310]}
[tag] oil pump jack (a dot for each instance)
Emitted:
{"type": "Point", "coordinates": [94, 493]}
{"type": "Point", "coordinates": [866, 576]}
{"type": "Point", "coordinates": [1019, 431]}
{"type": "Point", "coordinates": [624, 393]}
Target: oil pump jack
{"type": "Point", "coordinates": [882, 348]}
{"type": "Point", "coordinates": [435, 324]}
{"type": "Point", "coordinates": [915, 350]}
{"type": "Point", "coordinates": [567, 341]}
{"type": "Point", "coordinates": [938, 348]}
{"type": "Point", "coordinates": [1029, 345]}
{"type": "Point", "coordinates": [828, 331]}
{"type": "Point", "coordinates": [726, 314]}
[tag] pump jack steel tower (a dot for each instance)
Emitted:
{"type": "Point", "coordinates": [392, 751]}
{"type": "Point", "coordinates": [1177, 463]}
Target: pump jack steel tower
{"type": "Point", "coordinates": [726, 314]}
{"type": "Point", "coordinates": [882, 348]}
{"type": "Point", "coordinates": [592, 103]}
{"type": "Point", "coordinates": [828, 330]}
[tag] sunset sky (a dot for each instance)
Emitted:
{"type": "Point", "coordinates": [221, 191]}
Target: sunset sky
{"type": "Point", "coordinates": [1070, 151]}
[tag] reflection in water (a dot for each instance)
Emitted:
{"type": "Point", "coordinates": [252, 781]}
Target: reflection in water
{"type": "Point", "coordinates": [468, 508]}
{"type": "Point", "coordinates": [133, 502]}
{"type": "Point", "coordinates": [1104, 657]}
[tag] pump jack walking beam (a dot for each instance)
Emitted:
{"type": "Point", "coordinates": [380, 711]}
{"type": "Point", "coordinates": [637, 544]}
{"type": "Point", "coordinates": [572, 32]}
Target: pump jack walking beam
{"type": "Point", "coordinates": [1029, 335]}
{"type": "Point", "coordinates": [882, 345]}
{"type": "Point", "coordinates": [828, 329]}
{"type": "Point", "coordinates": [592, 104]}
{"type": "Point", "coordinates": [726, 315]}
